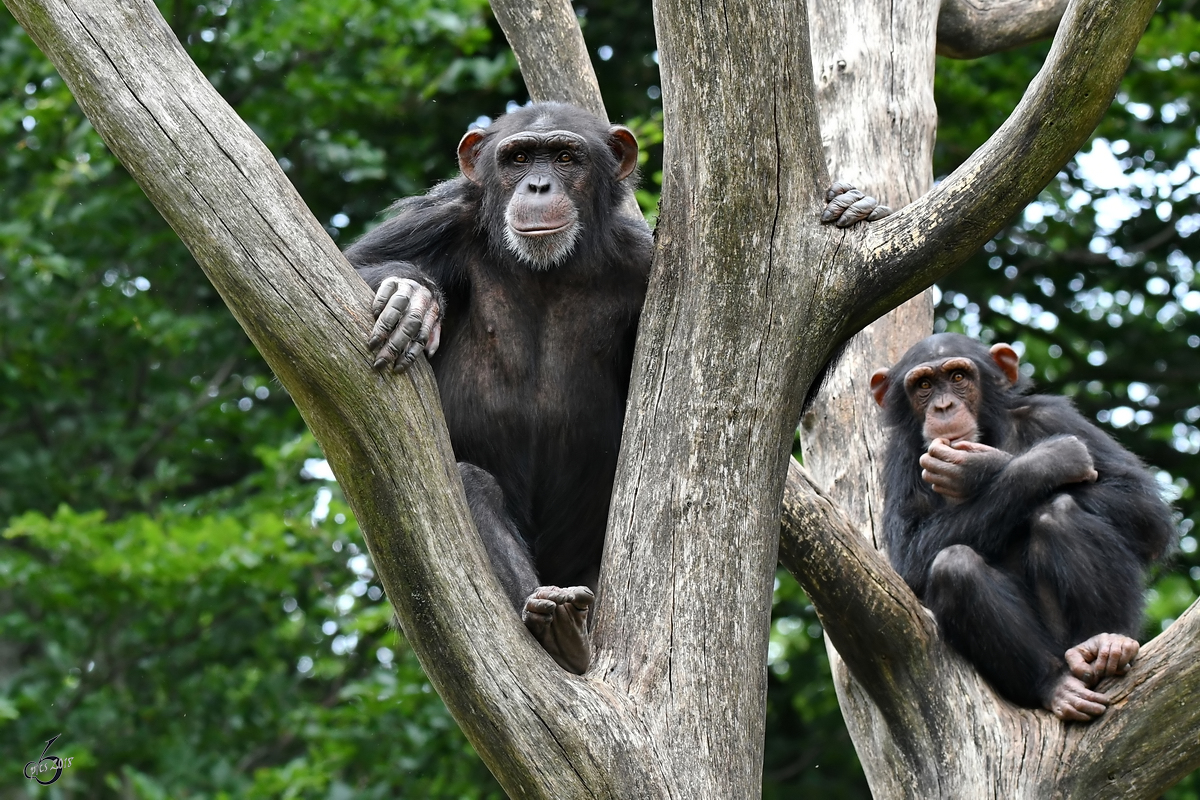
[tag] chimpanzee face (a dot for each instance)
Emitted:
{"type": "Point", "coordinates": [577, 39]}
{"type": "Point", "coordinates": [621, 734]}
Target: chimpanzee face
{"type": "Point", "coordinates": [545, 177]}
{"type": "Point", "coordinates": [945, 378]}
{"type": "Point", "coordinates": [542, 182]}
{"type": "Point", "coordinates": [945, 395]}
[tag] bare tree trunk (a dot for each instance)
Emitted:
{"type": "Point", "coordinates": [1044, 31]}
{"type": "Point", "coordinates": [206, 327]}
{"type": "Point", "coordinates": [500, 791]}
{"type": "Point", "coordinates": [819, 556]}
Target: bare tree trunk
{"type": "Point", "coordinates": [842, 439]}
{"type": "Point", "coordinates": [749, 295]}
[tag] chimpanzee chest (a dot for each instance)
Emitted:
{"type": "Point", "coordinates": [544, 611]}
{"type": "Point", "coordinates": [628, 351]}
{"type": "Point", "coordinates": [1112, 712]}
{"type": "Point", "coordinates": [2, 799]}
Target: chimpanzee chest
{"type": "Point", "coordinates": [533, 373]}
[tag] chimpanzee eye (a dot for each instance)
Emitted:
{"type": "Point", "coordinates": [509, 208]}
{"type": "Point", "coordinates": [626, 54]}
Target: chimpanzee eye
{"type": "Point", "coordinates": [957, 376]}
{"type": "Point", "coordinates": [521, 158]}
{"type": "Point", "coordinates": [924, 384]}
{"type": "Point", "coordinates": [565, 158]}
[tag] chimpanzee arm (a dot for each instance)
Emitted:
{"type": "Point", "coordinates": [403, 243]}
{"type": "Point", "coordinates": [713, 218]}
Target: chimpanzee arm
{"type": "Point", "coordinates": [1002, 498]}
{"type": "Point", "coordinates": [408, 260]}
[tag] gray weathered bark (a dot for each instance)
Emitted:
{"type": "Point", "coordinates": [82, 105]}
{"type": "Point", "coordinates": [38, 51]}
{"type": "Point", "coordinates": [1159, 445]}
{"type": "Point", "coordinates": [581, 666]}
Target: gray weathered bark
{"type": "Point", "coordinates": [553, 57]}
{"type": "Point", "coordinates": [973, 28]}
{"type": "Point", "coordinates": [926, 725]}
{"type": "Point", "coordinates": [748, 297]}
{"type": "Point", "coordinates": [910, 705]}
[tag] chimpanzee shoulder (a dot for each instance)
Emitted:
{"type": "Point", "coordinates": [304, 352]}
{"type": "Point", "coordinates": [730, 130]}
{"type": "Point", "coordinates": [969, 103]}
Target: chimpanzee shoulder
{"type": "Point", "coordinates": [435, 232]}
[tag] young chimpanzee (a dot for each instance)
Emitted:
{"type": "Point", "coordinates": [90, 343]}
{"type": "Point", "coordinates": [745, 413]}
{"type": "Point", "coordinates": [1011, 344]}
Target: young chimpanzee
{"type": "Point", "coordinates": [523, 280]}
{"type": "Point", "coordinates": [1023, 527]}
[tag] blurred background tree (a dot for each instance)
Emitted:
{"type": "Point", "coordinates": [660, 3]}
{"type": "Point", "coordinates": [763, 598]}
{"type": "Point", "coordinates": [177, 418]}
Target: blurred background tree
{"type": "Point", "coordinates": [185, 597]}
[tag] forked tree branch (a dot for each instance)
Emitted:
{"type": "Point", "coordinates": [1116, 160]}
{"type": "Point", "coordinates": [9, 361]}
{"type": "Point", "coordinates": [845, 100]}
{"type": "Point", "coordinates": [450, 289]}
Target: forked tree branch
{"type": "Point", "coordinates": [308, 314]}
{"type": "Point", "coordinates": [549, 46]}
{"type": "Point", "coordinates": [868, 612]}
{"type": "Point", "coordinates": [923, 241]}
{"type": "Point", "coordinates": [974, 28]}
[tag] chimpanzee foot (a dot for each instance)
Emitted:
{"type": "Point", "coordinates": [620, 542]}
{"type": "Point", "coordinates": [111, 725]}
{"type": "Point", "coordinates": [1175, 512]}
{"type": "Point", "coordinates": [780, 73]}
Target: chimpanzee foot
{"type": "Point", "coordinates": [557, 618]}
{"type": "Point", "coordinates": [847, 206]}
{"type": "Point", "coordinates": [1102, 656]}
{"type": "Point", "coordinates": [1071, 700]}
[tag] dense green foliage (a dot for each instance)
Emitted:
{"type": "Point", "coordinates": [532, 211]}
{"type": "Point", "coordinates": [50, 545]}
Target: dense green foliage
{"type": "Point", "coordinates": [184, 597]}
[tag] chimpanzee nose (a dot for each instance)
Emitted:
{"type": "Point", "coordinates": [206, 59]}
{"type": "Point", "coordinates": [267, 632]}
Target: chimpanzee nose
{"type": "Point", "coordinates": [538, 185]}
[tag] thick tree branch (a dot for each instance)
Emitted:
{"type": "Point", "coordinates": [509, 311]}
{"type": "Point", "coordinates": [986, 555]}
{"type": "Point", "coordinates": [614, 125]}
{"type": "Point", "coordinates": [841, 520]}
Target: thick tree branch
{"type": "Point", "coordinates": [974, 28]}
{"type": "Point", "coordinates": [865, 607]}
{"type": "Point", "coordinates": [1147, 741]}
{"type": "Point", "coordinates": [545, 36]}
{"type": "Point", "coordinates": [908, 251]}
{"type": "Point", "coordinates": [308, 313]}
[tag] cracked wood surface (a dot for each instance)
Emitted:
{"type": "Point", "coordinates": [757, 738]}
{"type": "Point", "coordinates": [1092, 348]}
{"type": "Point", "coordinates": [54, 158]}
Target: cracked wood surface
{"type": "Point", "coordinates": [674, 705]}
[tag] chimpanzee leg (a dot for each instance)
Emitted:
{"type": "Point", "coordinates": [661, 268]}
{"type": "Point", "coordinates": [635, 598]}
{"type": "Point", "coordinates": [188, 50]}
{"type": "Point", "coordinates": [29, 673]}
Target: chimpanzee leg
{"type": "Point", "coordinates": [510, 557]}
{"type": "Point", "coordinates": [1086, 580]}
{"type": "Point", "coordinates": [985, 614]}
{"type": "Point", "coordinates": [556, 616]}
{"type": "Point", "coordinates": [1088, 587]}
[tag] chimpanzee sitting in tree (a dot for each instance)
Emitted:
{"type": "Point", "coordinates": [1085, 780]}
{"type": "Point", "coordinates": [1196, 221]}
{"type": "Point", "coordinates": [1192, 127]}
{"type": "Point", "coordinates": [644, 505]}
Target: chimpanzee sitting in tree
{"type": "Point", "coordinates": [1023, 527]}
{"type": "Point", "coordinates": [526, 280]}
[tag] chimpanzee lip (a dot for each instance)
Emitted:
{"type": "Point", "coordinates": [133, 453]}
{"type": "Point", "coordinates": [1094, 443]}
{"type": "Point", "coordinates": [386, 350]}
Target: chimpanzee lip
{"type": "Point", "coordinates": [951, 439]}
{"type": "Point", "coordinates": [537, 231]}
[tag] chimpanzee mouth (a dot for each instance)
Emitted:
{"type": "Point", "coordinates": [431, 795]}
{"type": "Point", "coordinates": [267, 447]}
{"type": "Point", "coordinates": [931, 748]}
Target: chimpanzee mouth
{"type": "Point", "coordinates": [542, 247]}
{"type": "Point", "coordinates": [953, 440]}
{"type": "Point", "coordinates": [540, 231]}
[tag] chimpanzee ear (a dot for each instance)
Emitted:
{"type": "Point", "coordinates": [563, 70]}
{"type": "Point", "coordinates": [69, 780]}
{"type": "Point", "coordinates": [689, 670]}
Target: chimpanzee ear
{"type": "Point", "coordinates": [1007, 360]}
{"type": "Point", "coordinates": [468, 151]}
{"type": "Point", "coordinates": [879, 385]}
{"type": "Point", "coordinates": [624, 147]}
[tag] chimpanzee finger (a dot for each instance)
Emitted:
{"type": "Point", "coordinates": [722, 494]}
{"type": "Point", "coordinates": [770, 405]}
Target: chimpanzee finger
{"type": "Point", "coordinates": [879, 213]}
{"type": "Point", "coordinates": [1082, 709]}
{"type": "Point", "coordinates": [1116, 654]}
{"type": "Point", "coordinates": [1075, 702]}
{"type": "Point", "coordinates": [406, 338]}
{"type": "Point", "coordinates": [838, 205]}
{"type": "Point", "coordinates": [429, 336]}
{"type": "Point", "coordinates": [435, 336]}
{"type": "Point", "coordinates": [838, 187]}
{"type": "Point", "coordinates": [390, 312]}
{"type": "Point", "coordinates": [384, 293]}
{"type": "Point", "coordinates": [386, 356]}
{"type": "Point", "coordinates": [857, 212]}
{"type": "Point", "coordinates": [1106, 660]}
{"type": "Point", "coordinates": [940, 461]}
{"type": "Point", "coordinates": [1080, 666]}
{"type": "Point", "coordinates": [1129, 651]}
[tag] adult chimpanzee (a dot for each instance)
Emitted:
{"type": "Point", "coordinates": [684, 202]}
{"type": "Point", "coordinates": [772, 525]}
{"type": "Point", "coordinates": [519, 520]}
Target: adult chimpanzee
{"type": "Point", "coordinates": [540, 277]}
{"type": "Point", "coordinates": [1022, 526]}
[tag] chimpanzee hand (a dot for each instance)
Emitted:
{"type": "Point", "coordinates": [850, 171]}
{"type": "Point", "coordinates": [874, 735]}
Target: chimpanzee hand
{"type": "Point", "coordinates": [1102, 656]}
{"type": "Point", "coordinates": [847, 205]}
{"type": "Point", "coordinates": [1058, 461]}
{"type": "Point", "coordinates": [408, 319]}
{"type": "Point", "coordinates": [956, 471]}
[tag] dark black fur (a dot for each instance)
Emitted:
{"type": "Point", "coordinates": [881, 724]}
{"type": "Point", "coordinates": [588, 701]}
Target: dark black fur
{"type": "Point", "coordinates": [1068, 560]}
{"type": "Point", "coordinates": [534, 364]}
